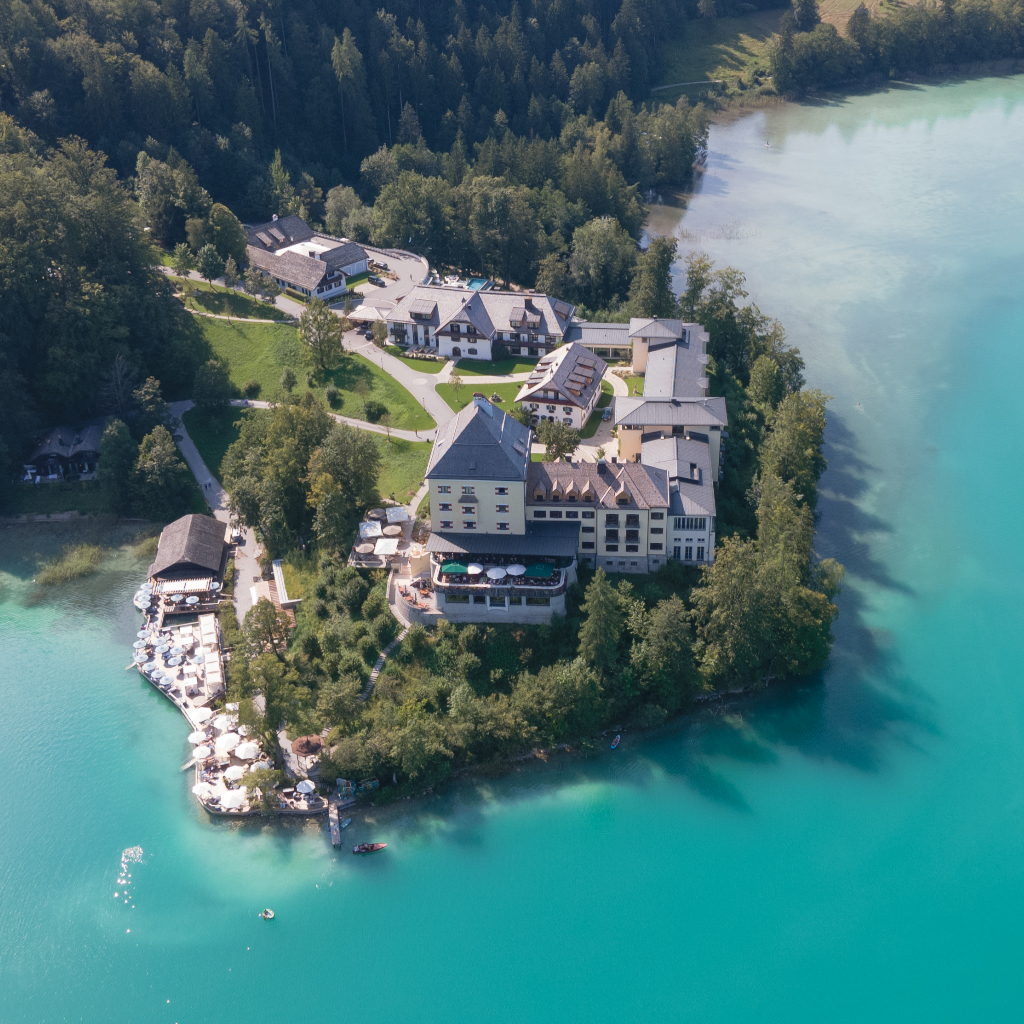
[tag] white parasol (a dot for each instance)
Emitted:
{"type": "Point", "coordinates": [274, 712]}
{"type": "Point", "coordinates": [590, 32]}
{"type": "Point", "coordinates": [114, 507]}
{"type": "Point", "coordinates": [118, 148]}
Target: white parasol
{"type": "Point", "coordinates": [202, 715]}
{"type": "Point", "coordinates": [474, 568]}
{"type": "Point", "coordinates": [202, 789]}
{"type": "Point", "coordinates": [306, 786]}
{"type": "Point", "coordinates": [247, 751]}
{"type": "Point", "coordinates": [497, 573]}
{"type": "Point", "coordinates": [516, 570]}
{"type": "Point", "coordinates": [202, 752]}
{"type": "Point", "coordinates": [234, 798]}
{"type": "Point", "coordinates": [197, 737]}
{"type": "Point", "coordinates": [234, 773]}
{"type": "Point", "coordinates": [227, 741]}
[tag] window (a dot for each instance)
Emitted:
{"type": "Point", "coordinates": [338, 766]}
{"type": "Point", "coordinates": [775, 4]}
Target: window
{"type": "Point", "coordinates": [501, 490]}
{"type": "Point", "coordinates": [612, 535]}
{"type": "Point", "coordinates": [479, 599]}
{"type": "Point", "coordinates": [611, 547]}
{"type": "Point", "coordinates": [634, 548]}
{"type": "Point", "coordinates": [501, 508]}
{"type": "Point", "coordinates": [497, 602]}
{"type": "Point", "coordinates": [472, 351]}
{"type": "Point", "coordinates": [655, 547]}
{"type": "Point", "coordinates": [456, 599]}
{"type": "Point", "coordinates": [588, 514]}
{"type": "Point", "coordinates": [502, 526]}
{"type": "Point", "coordinates": [567, 410]}
{"type": "Point", "coordinates": [688, 554]}
{"type": "Point", "coordinates": [675, 551]}
{"type": "Point", "coordinates": [445, 506]}
{"type": "Point", "coordinates": [700, 554]}
{"type": "Point", "coordinates": [572, 515]}
{"type": "Point", "coordinates": [657, 529]}
{"type": "Point", "coordinates": [588, 545]}
{"type": "Point", "coordinates": [540, 514]}
{"type": "Point", "coordinates": [657, 515]}
{"type": "Point", "coordinates": [468, 510]}
{"type": "Point", "coordinates": [555, 515]}
{"type": "Point", "coordinates": [632, 519]}
{"type": "Point", "coordinates": [446, 524]}
{"type": "Point", "coordinates": [633, 535]}
{"type": "Point", "coordinates": [691, 522]}
{"type": "Point", "coordinates": [468, 524]}
{"type": "Point", "coordinates": [588, 529]}
{"type": "Point", "coordinates": [612, 519]}
{"type": "Point", "coordinates": [468, 490]}
{"type": "Point", "coordinates": [515, 599]}
{"type": "Point", "coordinates": [609, 562]}
{"type": "Point", "coordinates": [539, 601]}
{"type": "Point", "coordinates": [444, 489]}
{"type": "Point", "coordinates": [632, 563]}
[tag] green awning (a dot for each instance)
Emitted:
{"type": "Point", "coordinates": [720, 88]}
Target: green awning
{"type": "Point", "coordinates": [540, 569]}
{"type": "Point", "coordinates": [454, 567]}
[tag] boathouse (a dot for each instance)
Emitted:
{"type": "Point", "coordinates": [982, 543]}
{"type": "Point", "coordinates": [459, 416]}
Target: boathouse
{"type": "Point", "coordinates": [193, 546]}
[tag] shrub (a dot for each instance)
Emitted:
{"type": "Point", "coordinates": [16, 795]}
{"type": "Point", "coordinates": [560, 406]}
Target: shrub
{"type": "Point", "coordinates": [288, 379]}
{"type": "Point", "coordinates": [310, 379]}
{"type": "Point", "coordinates": [251, 388]}
{"type": "Point", "coordinates": [331, 393]}
{"type": "Point", "coordinates": [375, 411]}
{"type": "Point", "coordinates": [320, 609]}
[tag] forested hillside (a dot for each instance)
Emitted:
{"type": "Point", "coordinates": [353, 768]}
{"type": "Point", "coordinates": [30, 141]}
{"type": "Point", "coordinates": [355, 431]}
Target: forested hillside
{"type": "Point", "coordinates": [227, 82]}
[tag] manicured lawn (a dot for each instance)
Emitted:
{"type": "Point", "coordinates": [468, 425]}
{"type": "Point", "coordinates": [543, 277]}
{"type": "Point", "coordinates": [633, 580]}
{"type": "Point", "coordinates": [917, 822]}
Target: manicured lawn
{"type": "Point", "coordinates": [262, 351]}
{"type": "Point", "coordinates": [490, 368]}
{"type": "Point", "coordinates": [590, 427]}
{"type": "Point", "coordinates": [420, 365]}
{"type": "Point", "coordinates": [228, 302]}
{"type": "Point", "coordinates": [508, 394]}
{"type": "Point", "coordinates": [213, 431]}
{"type": "Point", "coordinates": [356, 374]}
{"type": "Point", "coordinates": [403, 464]}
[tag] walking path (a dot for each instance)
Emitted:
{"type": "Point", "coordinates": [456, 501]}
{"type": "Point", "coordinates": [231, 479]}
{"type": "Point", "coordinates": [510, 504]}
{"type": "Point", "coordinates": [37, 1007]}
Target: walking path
{"type": "Point", "coordinates": [376, 428]}
{"type": "Point", "coordinates": [380, 663]}
{"type": "Point", "coordinates": [420, 385]}
{"type": "Point", "coordinates": [246, 562]}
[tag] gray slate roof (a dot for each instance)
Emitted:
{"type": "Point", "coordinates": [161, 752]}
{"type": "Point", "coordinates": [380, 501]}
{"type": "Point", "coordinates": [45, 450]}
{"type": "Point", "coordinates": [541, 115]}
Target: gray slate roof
{"type": "Point", "coordinates": [688, 465]}
{"type": "Point", "coordinates": [646, 486]}
{"type": "Point", "coordinates": [573, 371]}
{"type": "Point", "coordinates": [675, 369]}
{"type": "Point", "coordinates": [289, 266]}
{"type": "Point", "coordinates": [653, 327]}
{"type": "Point", "coordinates": [292, 229]}
{"type": "Point", "coordinates": [665, 412]}
{"type": "Point", "coordinates": [539, 540]}
{"type": "Point", "coordinates": [190, 543]}
{"type": "Point", "coordinates": [488, 311]}
{"type": "Point", "coordinates": [586, 333]}
{"type": "Point", "coordinates": [66, 442]}
{"type": "Point", "coordinates": [480, 443]}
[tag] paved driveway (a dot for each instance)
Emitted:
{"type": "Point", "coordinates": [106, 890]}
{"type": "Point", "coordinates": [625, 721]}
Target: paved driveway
{"type": "Point", "coordinates": [411, 271]}
{"type": "Point", "coordinates": [246, 561]}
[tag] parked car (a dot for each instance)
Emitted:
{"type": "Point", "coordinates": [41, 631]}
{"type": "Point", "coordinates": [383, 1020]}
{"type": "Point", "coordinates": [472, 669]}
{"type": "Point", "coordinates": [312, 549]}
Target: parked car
{"type": "Point", "coordinates": [607, 414]}
{"type": "Point", "coordinates": [368, 335]}
{"type": "Point", "coordinates": [374, 279]}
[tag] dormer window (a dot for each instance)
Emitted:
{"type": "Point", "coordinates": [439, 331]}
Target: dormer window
{"type": "Point", "coordinates": [538, 494]}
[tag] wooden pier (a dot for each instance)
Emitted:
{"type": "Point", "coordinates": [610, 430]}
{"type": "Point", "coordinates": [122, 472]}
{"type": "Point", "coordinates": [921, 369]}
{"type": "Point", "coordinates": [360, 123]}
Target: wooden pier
{"type": "Point", "coordinates": [332, 815]}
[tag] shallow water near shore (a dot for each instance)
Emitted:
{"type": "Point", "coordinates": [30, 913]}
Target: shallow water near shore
{"type": "Point", "coordinates": [845, 850]}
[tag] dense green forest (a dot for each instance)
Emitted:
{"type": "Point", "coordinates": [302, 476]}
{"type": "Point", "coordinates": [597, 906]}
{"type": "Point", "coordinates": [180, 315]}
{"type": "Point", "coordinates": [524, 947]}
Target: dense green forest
{"type": "Point", "coordinates": [903, 39]}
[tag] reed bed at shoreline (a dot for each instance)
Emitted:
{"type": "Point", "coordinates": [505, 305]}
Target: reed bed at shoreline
{"type": "Point", "coordinates": [75, 561]}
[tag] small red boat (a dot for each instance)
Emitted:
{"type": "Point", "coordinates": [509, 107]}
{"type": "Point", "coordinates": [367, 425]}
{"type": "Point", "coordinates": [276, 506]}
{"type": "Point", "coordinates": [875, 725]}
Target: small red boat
{"type": "Point", "coordinates": [615, 742]}
{"type": "Point", "coordinates": [368, 847]}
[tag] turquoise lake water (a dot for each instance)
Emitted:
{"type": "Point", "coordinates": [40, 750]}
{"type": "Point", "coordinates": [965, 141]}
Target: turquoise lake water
{"type": "Point", "coordinates": [848, 850]}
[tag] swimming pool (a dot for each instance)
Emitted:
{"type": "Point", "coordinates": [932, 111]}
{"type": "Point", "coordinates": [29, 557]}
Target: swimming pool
{"type": "Point", "coordinates": [476, 283]}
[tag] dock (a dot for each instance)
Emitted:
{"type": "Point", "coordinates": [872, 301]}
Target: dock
{"type": "Point", "coordinates": [333, 818]}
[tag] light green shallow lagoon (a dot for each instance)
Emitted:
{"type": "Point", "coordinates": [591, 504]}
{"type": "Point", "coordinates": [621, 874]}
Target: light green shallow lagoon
{"type": "Point", "coordinates": [848, 850]}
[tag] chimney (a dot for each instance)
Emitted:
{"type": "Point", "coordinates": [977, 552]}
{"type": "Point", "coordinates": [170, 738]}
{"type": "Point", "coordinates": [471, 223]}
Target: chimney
{"type": "Point", "coordinates": [481, 402]}
{"type": "Point", "coordinates": [274, 217]}
{"type": "Point", "coordinates": [694, 471]}
{"type": "Point", "coordinates": [602, 466]}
